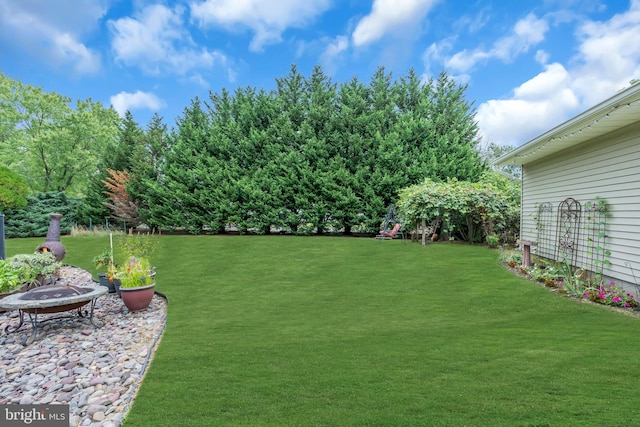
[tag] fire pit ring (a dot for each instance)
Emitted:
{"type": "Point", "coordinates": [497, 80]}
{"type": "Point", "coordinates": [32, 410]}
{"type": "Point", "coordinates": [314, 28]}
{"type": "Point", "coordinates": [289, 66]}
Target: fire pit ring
{"type": "Point", "coordinates": [52, 299]}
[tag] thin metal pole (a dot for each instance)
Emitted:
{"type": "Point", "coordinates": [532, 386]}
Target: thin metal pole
{"type": "Point", "coordinates": [3, 252]}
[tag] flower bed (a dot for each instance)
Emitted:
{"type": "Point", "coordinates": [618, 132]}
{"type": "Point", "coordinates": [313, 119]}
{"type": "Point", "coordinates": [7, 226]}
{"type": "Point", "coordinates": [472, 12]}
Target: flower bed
{"type": "Point", "coordinates": [573, 283]}
{"type": "Point", "coordinates": [611, 295]}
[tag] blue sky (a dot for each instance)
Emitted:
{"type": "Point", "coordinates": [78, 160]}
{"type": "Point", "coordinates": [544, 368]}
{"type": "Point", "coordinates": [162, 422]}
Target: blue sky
{"type": "Point", "coordinates": [530, 65]}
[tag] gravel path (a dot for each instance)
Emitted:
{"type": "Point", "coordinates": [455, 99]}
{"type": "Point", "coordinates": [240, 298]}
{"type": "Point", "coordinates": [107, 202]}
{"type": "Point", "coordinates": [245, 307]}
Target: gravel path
{"type": "Point", "coordinates": [96, 371]}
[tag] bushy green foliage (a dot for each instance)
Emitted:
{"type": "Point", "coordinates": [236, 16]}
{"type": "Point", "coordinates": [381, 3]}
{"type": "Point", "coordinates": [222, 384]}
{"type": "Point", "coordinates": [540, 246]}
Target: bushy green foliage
{"type": "Point", "coordinates": [9, 277]}
{"type": "Point", "coordinates": [548, 272]}
{"type": "Point", "coordinates": [27, 269]}
{"type": "Point", "coordinates": [311, 152]}
{"type": "Point", "coordinates": [36, 268]}
{"type": "Point", "coordinates": [13, 190]}
{"type": "Point", "coordinates": [468, 210]}
{"type": "Point", "coordinates": [33, 220]}
{"type": "Point", "coordinates": [53, 144]}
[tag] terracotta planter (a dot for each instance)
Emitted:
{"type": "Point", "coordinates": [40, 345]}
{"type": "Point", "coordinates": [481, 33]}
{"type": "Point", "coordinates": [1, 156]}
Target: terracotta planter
{"type": "Point", "coordinates": [137, 299]}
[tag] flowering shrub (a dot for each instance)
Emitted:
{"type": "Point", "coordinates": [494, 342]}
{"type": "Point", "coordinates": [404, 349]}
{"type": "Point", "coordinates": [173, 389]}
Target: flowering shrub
{"type": "Point", "coordinates": [611, 295]}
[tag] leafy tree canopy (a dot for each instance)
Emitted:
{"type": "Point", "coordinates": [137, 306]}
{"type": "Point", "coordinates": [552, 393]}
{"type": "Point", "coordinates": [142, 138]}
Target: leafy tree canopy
{"type": "Point", "coordinates": [56, 147]}
{"type": "Point", "coordinates": [13, 190]}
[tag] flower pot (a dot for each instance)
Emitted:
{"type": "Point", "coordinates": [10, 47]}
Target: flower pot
{"type": "Point", "coordinates": [104, 281]}
{"type": "Point", "coordinates": [137, 299]}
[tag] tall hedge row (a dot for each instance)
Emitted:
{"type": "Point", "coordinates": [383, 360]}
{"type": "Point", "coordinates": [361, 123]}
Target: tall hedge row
{"type": "Point", "coordinates": [310, 155]}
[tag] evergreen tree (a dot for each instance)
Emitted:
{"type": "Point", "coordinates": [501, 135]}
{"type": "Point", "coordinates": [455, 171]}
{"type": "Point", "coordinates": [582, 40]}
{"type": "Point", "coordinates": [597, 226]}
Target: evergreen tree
{"type": "Point", "coordinates": [318, 178]}
{"type": "Point", "coordinates": [350, 142]}
{"type": "Point", "coordinates": [147, 167]}
{"type": "Point", "coordinates": [179, 199]}
{"type": "Point", "coordinates": [453, 132]}
{"type": "Point", "coordinates": [309, 154]}
{"type": "Point", "coordinates": [287, 163]}
{"type": "Point", "coordinates": [117, 155]}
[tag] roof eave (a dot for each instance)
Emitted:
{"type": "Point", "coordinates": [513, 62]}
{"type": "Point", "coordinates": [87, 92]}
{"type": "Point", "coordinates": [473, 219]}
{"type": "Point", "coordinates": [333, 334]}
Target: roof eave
{"type": "Point", "coordinates": [571, 131]}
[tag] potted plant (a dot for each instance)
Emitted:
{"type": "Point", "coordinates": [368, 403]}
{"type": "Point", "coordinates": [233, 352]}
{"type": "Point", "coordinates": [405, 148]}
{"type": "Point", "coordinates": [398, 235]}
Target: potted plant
{"type": "Point", "coordinates": [137, 283]}
{"type": "Point", "coordinates": [108, 279]}
{"type": "Point", "coordinates": [136, 274]}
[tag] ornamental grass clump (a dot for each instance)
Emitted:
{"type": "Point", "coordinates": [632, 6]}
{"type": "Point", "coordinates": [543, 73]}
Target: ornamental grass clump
{"type": "Point", "coordinates": [611, 295]}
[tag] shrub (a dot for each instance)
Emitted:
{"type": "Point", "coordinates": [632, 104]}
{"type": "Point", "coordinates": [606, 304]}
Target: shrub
{"type": "Point", "coordinates": [13, 191]}
{"type": "Point", "coordinates": [611, 295]}
{"type": "Point", "coordinates": [27, 269]}
{"type": "Point", "coordinates": [493, 241]}
{"type": "Point", "coordinates": [33, 220]}
{"type": "Point", "coordinates": [34, 269]}
{"type": "Point", "coordinates": [9, 277]}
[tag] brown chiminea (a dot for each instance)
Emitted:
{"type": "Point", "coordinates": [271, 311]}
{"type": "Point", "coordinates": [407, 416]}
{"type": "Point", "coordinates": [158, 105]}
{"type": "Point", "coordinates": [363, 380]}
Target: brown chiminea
{"type": "Point", "coordinates": [52, 241]}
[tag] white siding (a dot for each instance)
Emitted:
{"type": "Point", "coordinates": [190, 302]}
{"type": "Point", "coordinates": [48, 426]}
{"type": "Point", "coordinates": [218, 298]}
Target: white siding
{"type": "Point", "coordinates": [607, 167]}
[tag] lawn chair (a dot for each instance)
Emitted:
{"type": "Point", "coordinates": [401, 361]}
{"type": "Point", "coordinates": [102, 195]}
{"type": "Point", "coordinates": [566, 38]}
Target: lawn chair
{"type": "Point", "coordinates": [396, 231]}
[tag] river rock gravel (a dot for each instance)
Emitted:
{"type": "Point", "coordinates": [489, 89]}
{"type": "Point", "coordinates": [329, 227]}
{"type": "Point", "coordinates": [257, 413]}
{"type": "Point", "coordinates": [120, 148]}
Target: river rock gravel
{"type": "Point", "coordinates": [96, 371]}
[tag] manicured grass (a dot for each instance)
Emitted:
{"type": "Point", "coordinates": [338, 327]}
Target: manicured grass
{"type": "Point", "coordinates": [291, 331]}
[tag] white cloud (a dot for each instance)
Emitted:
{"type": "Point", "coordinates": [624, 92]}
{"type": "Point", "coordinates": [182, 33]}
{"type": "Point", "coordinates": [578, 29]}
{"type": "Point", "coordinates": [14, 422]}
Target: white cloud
{"type": "Point", "coordinates": [608, 58]}
{"type": "Point", "coordinates": [135, 101]}
{"type": "Point", "coordinates": [537, 105]}
{"type": "Point", "coordinates": [332, 53]}
{"type": "Point", "coordinates": [436, 54]}
{"type": "Point", "coordinates": [553, 79]}
{"type": "Point", "coordinates": [609, 55]}
{"type": "Point", "coordinates": [542, 57]}
{"type": "Point", "coordinates": [525, 34]}
{"type": "Point", "coordinates": [267, 19]}
{"type": "Point", "coordinates": [473, 24]}
{"type": "Point", "coordinates": [52, 32]}
{"type": "Point", "coordinates": [390, 16]}
{"type": "Point", "coordinates": [156, 41]}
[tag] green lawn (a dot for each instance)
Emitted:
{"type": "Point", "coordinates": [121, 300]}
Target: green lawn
{"type": "Point", "coordinates": [315, 331]}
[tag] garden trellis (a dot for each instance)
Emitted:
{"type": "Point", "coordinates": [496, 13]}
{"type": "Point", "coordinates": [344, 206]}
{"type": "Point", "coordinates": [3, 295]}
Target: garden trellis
{"type": "Point", "coordinates": [577, 233]}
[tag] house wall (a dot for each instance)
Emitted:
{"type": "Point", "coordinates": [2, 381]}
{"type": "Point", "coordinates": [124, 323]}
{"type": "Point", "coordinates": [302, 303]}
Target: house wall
{"type": "Point", "coordinates": [607, 167]}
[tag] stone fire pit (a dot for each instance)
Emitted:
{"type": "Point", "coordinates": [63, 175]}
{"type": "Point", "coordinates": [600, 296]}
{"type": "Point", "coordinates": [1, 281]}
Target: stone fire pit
{"type": "Point", "coordinates": [56, 298]}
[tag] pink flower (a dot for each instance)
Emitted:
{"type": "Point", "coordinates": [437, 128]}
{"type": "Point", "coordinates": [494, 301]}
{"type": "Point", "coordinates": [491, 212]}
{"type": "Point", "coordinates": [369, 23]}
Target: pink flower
{"type": "Point", "coordinates": [616, 299]}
